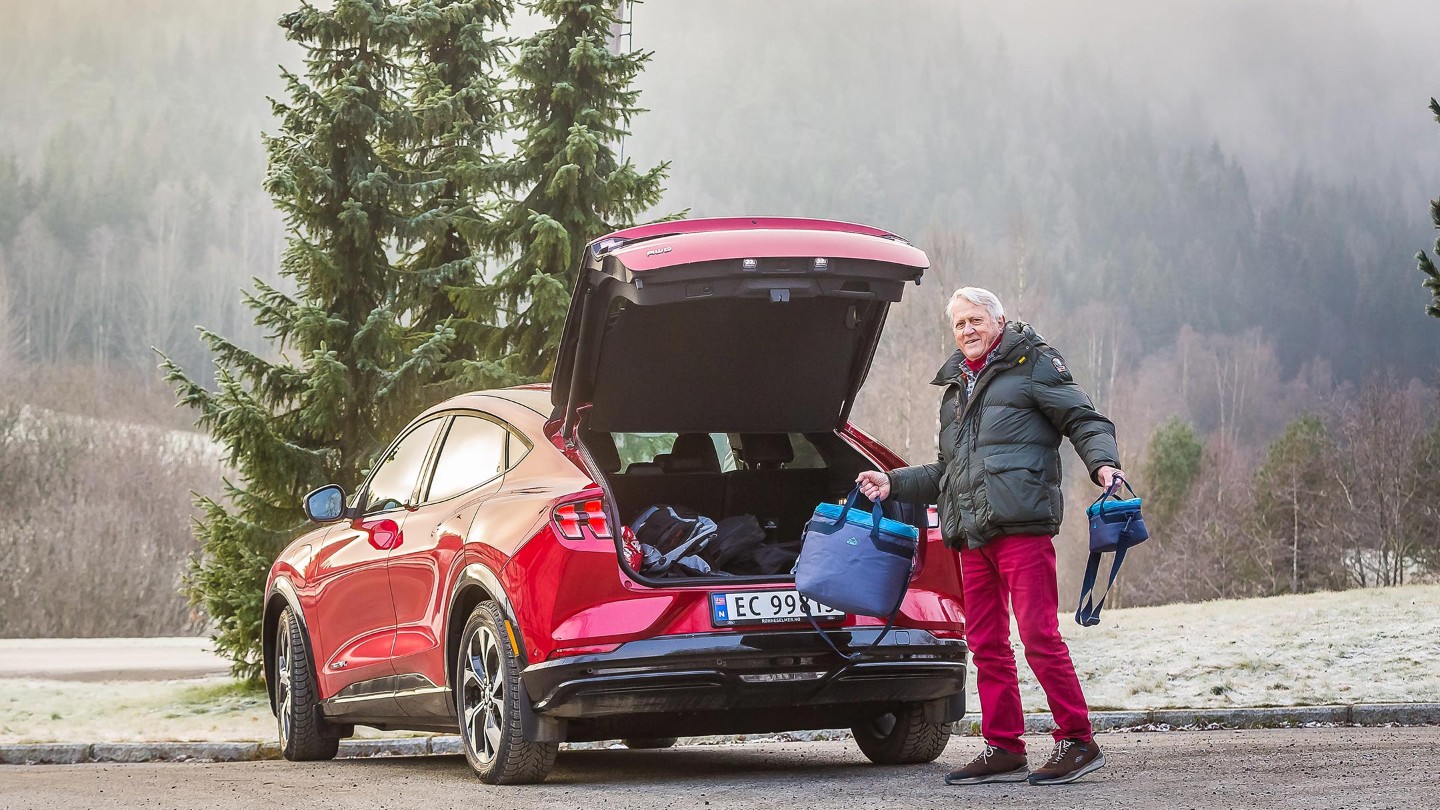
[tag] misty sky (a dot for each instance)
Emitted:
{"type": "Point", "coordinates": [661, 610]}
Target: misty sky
{"type": "Point", "coordinates": [1339, 88]}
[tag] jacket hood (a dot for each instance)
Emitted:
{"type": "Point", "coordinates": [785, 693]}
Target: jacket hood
{"type": "Point", "coordinates": [1016, 334]}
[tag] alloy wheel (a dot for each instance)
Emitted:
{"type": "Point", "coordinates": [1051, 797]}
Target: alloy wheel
{"type": "Point", "coordinates": [482, 695]}
{"type": "Point", "coordinates": [283, 693]}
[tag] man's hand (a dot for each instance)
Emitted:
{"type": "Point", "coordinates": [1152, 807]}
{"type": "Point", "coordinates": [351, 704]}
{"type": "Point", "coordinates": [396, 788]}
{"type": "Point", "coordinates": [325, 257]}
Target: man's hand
{"type": "Point", "coordinates": [873, 485]}
{"type": "Point", "coordinates": [1109, 475]}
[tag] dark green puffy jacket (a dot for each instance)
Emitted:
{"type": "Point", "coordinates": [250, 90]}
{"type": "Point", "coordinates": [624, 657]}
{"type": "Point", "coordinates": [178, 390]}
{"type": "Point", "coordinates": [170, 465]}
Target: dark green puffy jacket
{"type": "Point", "coordinates": [999, 467]}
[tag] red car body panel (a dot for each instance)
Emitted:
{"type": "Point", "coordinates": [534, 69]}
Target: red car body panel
{"type": "Point", "coordinates": [670, 251]}
{"type": "Point", "coordinates": [348, 584]}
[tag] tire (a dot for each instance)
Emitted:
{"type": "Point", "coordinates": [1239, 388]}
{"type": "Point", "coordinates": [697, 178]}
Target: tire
{"type": "Point", "coordinates": [304, 734]}
{"type": "Point", "coordinates": [902, 737]}
{"type": "Point", "coordinates": [649, 743]}
{"type": "Point", "coordinates": [487, 705]}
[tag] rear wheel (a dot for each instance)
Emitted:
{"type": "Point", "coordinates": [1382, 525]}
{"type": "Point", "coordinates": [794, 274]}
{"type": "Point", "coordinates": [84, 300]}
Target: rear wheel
{"type": "Point", "coordinates": [304, 734]}
{"type": "Point", "coordinates": [649, 743]}
{"type": "Point", "coordinates": [902, 737]}
{"type": "Point", "coordinates": [487, 699]}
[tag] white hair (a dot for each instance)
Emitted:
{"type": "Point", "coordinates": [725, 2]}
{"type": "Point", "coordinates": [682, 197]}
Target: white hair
{"type": "Point", "coordinates": [979, 297]}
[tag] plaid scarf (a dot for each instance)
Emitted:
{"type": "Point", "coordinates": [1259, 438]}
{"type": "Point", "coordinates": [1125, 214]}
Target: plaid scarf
{"type": "Point", "coordinates": [971, 375]}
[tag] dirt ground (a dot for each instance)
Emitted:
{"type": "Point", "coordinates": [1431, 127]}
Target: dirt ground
{"type": "Point", "coordinates": [1315, 769]}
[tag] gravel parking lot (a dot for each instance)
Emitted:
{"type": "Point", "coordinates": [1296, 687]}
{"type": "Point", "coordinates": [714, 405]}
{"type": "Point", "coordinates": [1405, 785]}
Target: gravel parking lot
{"type": "Point", "coordinates": [1373, 768]}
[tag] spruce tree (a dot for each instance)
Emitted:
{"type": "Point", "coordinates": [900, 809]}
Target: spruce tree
{"type": "Point", "coordinates": [1171, 463]}
{"type": "Point", "coordinates": [350, 364]}
{"type": "Point", "coordinates": [1432, 274]}
{"type": "Point", "coordinates": [457, 67]}
{"type": "Point", "coordinates": [573, 102]}
{"type": "Point", "coordinates": [1293, 490]}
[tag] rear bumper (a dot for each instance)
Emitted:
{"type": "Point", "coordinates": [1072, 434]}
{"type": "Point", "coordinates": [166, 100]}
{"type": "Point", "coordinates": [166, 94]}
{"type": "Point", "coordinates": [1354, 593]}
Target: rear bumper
{"type": "Point", "coordinates": [749, 672]}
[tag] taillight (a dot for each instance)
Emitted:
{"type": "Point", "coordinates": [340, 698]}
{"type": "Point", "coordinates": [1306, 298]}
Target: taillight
{"type": "Point", "coordinates": [575, 518]}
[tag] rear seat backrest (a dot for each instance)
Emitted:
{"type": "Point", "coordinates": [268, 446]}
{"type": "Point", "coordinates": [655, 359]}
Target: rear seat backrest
{"type": "Point", "coordinates": [689, 476]}
{"type": "Point", "coordinates": [692, 453]}
{"type": "Point", "coordinates": [766, 451]}
{"type": "Point", "coordinates": [788, 497]}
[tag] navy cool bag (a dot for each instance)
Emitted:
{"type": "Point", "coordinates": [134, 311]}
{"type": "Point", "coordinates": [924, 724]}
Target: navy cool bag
{"type": "Point", "coordinates": [856, 561]}
{"type": "Point", "coordinates": [1115, 526]}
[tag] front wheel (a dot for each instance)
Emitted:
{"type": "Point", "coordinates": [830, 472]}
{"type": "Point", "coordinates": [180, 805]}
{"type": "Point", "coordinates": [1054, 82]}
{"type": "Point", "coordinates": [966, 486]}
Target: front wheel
{"type": "Point", "coordinates": [902, 737]}
{"type": "Point", "coordinates": [487, 700]}
{"type": "Point", "coordinates": [304, 734]}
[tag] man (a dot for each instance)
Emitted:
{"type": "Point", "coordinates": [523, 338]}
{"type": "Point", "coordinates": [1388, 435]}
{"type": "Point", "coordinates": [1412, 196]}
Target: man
{"type": "Point", "coordinates": [1008, 400]}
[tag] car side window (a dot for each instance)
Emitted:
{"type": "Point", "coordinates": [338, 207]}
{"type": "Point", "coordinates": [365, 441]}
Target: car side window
{"type": "Point", "coordinates": [394, 480]}
{"type": "Point", "coordinates": [473, 453]}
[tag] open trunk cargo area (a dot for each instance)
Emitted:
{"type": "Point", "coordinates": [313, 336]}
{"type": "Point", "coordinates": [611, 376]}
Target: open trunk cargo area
{"type": "Point", "coordinates": [760, 481]}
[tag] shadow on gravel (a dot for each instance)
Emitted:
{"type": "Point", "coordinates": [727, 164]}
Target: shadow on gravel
{"type": "Point", "coordinates": [676, 766]}
{"type": "Point", "coordinates": [679, 766]}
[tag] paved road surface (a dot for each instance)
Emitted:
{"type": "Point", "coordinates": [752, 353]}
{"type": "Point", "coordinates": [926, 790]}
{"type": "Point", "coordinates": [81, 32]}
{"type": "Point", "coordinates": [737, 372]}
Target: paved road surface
{"type": "Point", "coordinates": [109, 659]}
{"type": "Point", "coordinates": [1308, 768]}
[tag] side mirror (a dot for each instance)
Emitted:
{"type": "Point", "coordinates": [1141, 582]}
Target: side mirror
{"type": "Point", "coordinates": [326, 504]}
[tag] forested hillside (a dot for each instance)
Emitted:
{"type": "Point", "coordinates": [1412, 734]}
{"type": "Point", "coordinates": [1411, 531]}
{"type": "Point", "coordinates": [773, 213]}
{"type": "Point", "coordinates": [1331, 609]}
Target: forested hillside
{"type": "Point", "coordinates": [131, 206]}
{"type": "Point", "coordinates": [1211, 208]}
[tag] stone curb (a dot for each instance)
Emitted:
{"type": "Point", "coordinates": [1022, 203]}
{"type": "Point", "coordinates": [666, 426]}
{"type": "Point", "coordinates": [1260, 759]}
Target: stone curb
{"type": "Point", "coordinates": [1359, 714]}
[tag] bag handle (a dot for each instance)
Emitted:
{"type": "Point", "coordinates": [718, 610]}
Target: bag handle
{"type": "Point", "coordinates": [1113, 491]}
{"type": "Point", "coordinates": [876, 513]}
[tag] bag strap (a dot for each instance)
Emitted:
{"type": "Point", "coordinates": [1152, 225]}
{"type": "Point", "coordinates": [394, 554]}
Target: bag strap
{"type": "Point", "coordinates": [856, 651]}
{"type": "Point", "coordinates": [1088, 613]}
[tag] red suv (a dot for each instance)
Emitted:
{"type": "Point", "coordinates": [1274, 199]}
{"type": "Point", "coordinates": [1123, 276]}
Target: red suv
{"type": "Point", "coordinates": [484, 577]}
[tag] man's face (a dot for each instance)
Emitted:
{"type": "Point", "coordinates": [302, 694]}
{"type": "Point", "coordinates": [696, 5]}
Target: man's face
{"type": "Point", "coordinates": [975, 329]}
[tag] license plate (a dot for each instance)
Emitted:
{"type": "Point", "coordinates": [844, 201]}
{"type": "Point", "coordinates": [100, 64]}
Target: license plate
{"type": "Point", "coordinates": [765, 607]}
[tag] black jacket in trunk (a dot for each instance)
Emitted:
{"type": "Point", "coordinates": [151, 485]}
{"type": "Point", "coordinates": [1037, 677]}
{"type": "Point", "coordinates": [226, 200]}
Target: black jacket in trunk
{"type": "Point", "coordinates": [999, 467]}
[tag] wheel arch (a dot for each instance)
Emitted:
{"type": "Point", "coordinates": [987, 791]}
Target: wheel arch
{"type": "Point", "coordinates": [282, 595]}
{"type": "Point", "coordinates": [476, 584]}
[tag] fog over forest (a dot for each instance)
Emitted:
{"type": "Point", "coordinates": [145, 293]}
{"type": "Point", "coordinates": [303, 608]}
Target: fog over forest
{"type": "Point", "coordinates": [1211, 208]}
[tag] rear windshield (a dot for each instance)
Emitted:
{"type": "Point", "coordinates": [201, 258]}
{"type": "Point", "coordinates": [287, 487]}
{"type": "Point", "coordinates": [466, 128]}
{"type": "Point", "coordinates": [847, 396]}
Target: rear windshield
{"type": "Point", "coordinates": [650, 448]}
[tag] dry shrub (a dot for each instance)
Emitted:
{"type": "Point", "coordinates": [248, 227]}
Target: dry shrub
{"type": "Point", "coordinates": [97, 532]}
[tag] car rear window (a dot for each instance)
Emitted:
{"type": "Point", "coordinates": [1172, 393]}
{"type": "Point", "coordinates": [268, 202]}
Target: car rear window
{"type": "Point", "coordinates": [646, 448]}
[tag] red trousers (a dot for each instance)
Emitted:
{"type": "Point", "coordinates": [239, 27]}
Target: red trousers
{"type": "Point", "coordinates": [1018, 570]}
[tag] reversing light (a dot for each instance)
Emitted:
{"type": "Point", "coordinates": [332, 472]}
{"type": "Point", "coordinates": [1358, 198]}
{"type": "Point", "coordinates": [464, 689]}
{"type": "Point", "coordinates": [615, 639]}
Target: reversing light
{"type": "Point", "coordinates": [822, 264]}
{"type": "Point", "coordinates": [749, 264]}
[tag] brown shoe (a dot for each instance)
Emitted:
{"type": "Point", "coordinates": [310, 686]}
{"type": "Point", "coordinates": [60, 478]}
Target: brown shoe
{"type": "Point", "coordinates": [992, 765]}
{"type": "Point", "coordinates": [1071, 760]}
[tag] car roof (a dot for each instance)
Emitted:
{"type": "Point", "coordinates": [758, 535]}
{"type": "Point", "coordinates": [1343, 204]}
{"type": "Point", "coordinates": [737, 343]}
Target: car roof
{"type": "Point", "coordinates": [535, 397]}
